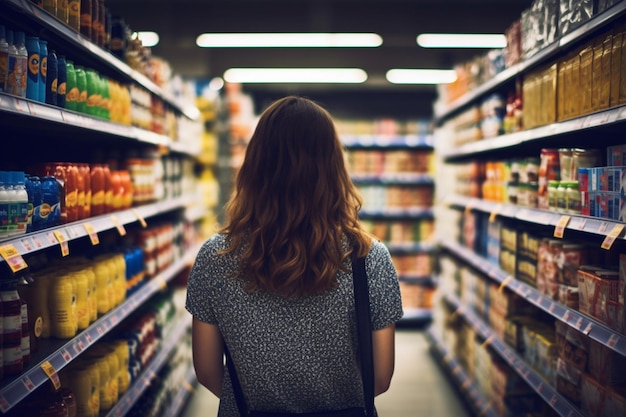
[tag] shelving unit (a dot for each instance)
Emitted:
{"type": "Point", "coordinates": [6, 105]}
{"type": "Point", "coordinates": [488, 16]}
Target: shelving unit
{"type": "Point", "coordinates": [384, 211]}
{"type": "Point", "coordinates": [462, 257]}
{"type": "Point", "coordinates": [50, 128]}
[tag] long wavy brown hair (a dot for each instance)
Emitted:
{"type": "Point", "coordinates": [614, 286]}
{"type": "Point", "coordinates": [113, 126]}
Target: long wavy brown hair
{"type": "Point", "coordinates": [294, 204]}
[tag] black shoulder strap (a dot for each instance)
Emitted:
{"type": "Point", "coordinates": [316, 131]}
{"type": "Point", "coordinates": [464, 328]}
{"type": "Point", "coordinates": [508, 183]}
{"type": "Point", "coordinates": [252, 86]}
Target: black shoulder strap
{"type": "Point", "coordinates": [364, 332]}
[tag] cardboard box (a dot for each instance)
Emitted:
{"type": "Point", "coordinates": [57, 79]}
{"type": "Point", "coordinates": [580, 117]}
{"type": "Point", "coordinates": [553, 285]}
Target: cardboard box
{"type": "Point", "coordinates": [606, 366]}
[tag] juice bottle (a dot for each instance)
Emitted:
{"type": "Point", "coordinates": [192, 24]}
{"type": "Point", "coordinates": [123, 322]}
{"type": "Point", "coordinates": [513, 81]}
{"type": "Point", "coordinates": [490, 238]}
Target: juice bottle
{"type": "Point", "coordinates": [83, 379]}
{"type": "Point", "coordinates": [12, 360]}
{"type": "Point", "coordinates": [21, 202]}
{"type": "Point", "coordinates": [35, 199]}
{"type": "Point", "coordinates": [73, 7]}
{"type": "Point", "coordinates": [63, 11]}
{"type": "Point", "coordinates": [52, 79]}
{"type": "Point", "coordinates": [86, 172]}
{"type": "Point", "coordinates": [81, 283]}
{"type": "Point", "coordinates": [93, 92]}
{"type": "Point", "coordinates": [26, 290]}
{"type": "Point", "coordinates": [121, 350]}
{"type": "Point", "coordinates": [22, 62]}
{"type": "Point", "coordinates": [62, 83]}
{"type": "Point", "coordinates": [4, 58]}
{"type": "Point", "coordinates": [50, 211]}
{"type": "Point", "coordinates": [72, 93]}
{"type": "Point", "coordinates": [104, 370]}
{"type": "Point", "coordinates": [108, 189]}
{"type": "Point", "coordinates": [81, 84]}
{"type": "Point", "coordinates": [119, 260]}
{"type": "Point", "coordinates": [80, 196]}
{"type": "Point", "coordinates": [85, 18]}
{"type": "Point", "coordinates": [43, 69]}
{"type": "Point", "coordinates": [62, 305]}
{"type": "Point", "coordinates": [41, 310]}
{"type": "Point", "coordinates": [95, 22]}
{"type": "Point", "coordinates": [105, 102]}
{"type": "Point", "coordinates": [4, 206]}
{"type": "Point", "coordinates": [12, 74]}
{"type": "Point", "coordinates": [103, 283]}
{"type": "Point", "coordinates": [26, 336]}
{"type": "Point", "coordinates": [97, 189]}
{"type": "Point", "coordinates": [92, 299]}
{"type": "Point", "coordinates": [32, 80]}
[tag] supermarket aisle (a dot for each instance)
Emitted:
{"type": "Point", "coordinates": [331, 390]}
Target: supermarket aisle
{"type": "Point", "coordinates": [419, 388]}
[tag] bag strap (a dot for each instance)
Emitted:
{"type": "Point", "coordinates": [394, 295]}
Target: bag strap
{"type": "Point", "coordinates": [364, 332]}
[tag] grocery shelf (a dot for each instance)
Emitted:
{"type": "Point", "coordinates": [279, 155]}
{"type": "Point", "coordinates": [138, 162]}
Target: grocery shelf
{"type": "Point", "coordinates": [587, 224]}
{"type": "Point", "coordinates": [387, 141]}
{"type": "Point", "coordinates": [463, 382]}
{"type": "Point", "coordinates": [613, 117]}
{"type": "Point", "coordinates": [180, 400]}
{"type": "Point", "coordinates": [149, 374]}
{"type": "Point", "coordinates": [408, 178]}
{"type": "Point", "coordinates": [417, 314]}
{"type": "Point", "coordinates": [410, 247]}
{"type": "Point", "coordinates": [24, 384]}
{"type": "Point", "coordinates": [417, 279]}
{"type": "Point", "coordinates": [45, 113]}
{"type": "Point", "coordinates": [573, 318]}
{"type": "Point", "coordinates": [36, 241]}
{"type": "Point", "coordinates": [549, 51]}
{"type": "Point", "coordinates": [72, 39]}
{"type": "Point", "coordinates": [547, 392]}
{"type": "Point", "coordinates": [399, 213]}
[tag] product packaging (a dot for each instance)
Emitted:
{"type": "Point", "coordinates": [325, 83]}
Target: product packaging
{"type": "Point", "coordinates": [606, 365]}
{"type": "Point", "coordinates": [574, 13]}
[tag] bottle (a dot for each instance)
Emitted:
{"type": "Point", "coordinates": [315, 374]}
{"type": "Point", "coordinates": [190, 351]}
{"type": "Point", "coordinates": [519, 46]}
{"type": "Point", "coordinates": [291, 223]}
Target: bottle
{"type": "Point", "coordinates": [21, 202]}
{"type": "Point", "coordinates": [85, 18]}
{"type": "Point", "coordinates": [52, 79]}
{"type": "Point", "coordinates": [93, 92]}
{"type": "Point", "coordinates": [50, 6]}
{"type": "Point", "coordinates": [72, 93]}
{"type": "Point", "coordinates": [97, 189]}
{"type": "Point", "coordinates": [105, 102]}
{"type": "Point", "coordinates": [4, 207]}
{"type": "Point", "coordinates": [22, 62]}
{"type": "Point", "coordinates": [12, 204]}
{"type": "Point", "coordinates": [95, 22]}
{"type": "Point", "coordinates": [63, 11]}
{"type": "Point", "coordinates": [81, 83]}
{"type": "Point", "coordinates": [62, 305]}
{"type": "Point", "coordinates": [73, 7]}
{"type": "Point", "coordinates": [4, 59]}
{"type": "Point", "coordinates": [81, 285]}
{"type": "Point", "coordinates": [62, 83]}
{"type": "Point", "coordinates": [43, 69]}
{"type": "Point", "coordinates": [553, 185]}
{"type": "Point", "coordinates": [573, 197]}
{"type": "Point", "coordinates": [50, 211]}
{"type": "Point", "coordinates": [14, 74]}
{"type": "Point", "coordinates": [561, 197]}
{"type": "Point", "coordinates": [33, 189]}
{"type": "Point", "coordinates": [32, 80]}
{"type": "Point", "coordinates": [118, 37]}
{"type": "Point", "coordinates": [41, 306]}
{"type": "Point", "coordinates": [25, 332]}
{"type": "Point", "coordinates": [11, 328]}
{"type": "Point", "coordinates": [86, 173]}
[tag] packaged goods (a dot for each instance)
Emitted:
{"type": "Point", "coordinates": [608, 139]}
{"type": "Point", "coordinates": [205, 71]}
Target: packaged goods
{"type": "Point", "coordinates": [568, 381]}
{"type": "Point", "coordinates": [574, 13]}
{"type": "Point", "coordinates": [572, 346]}
{"type": "Point", "coordinates": [606, 365]}
{"type": "Point", "coordinates": [598, 294]}
{"type": "Point", "coordinates": [592, 397]}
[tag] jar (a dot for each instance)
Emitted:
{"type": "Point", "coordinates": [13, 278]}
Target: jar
{"type": "Point", "coordinates": [552, 195]}
{"type": "Point", "coordinates": [532, 192]}
{"type": "Point", "coordinates": [573, 198]}
{"type": "Point", "coordinates": [565, 163]}
{"type": "Point", "coordinates": [512, 190]}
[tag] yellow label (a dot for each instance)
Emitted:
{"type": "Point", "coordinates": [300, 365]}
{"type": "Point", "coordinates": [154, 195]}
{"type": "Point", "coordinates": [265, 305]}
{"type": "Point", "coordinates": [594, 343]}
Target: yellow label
{"type": "Point", "coordinates": [119, 226]}
{"type": "Point", "coordinates": [12, 257]}
{"type": "Point", "coordinates": [505, 283]}
{"type": "Point", "coordinates": [611, 236]}
{"type": "Point", "coordinates": [61, 88]}
{"type": "Point", "coordinates": [52, 374]}
{"type": "Point", "coordinates": [33, 64]}
{"type": "Point", "coordinates": [82, 98]}
{"type": "Point", "coordinates": [559, 229]}
{"type": "Point", "coordinates": [43, 67]}
{"type": "Point", "coordinates": [142, 221]}
{"type": "Point", "coordinates": [494, 213]}
{"type": "Point", "coordinates": [65, 249]}
{"type": "Point", "coordinates": [38, 327]}
{"type": "Point", "coordinates": [93, 235]}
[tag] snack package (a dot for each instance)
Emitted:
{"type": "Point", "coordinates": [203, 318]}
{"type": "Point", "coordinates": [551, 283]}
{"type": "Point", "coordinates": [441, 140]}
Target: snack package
{"type": "Point", "coordinates": [574, 13]}
{"type": "Point", "coordinates": [568, 380]}
{"type": "Point", "coordinates": [572, 346]}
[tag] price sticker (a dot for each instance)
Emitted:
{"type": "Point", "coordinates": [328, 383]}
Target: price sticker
{"type": "Point", "coordinates": [611, 236]}
{"type": "Point", "coordinates": [37, 242]}
{"type": "Point", "coordinates": [582, 222]}
{"type": "Point", "coordinates": [28, 383]}
{"type": "Point", "coordinates": [49, 370]}
{"type": "Point", "coordinates": [553, 400]}
{"type": "Point", "coordinates": [21, 106]}
{"type": "Point", "coordinates": [466, 384]}
{"type": "Point", "coordinates": [118, 225]}
{"type": "Point", "coordinates": [603, 227]}
{"type": "Point", "coordinates": [612, 340]}
{"type": "Point", "coordinates": [27, 244]}
{"type": "Point", "coordinates": [579, 323]}
{"type": "Point", "coordinates": [93, 235]}
{"type": "Point", "coordinates": [65, 248]}
{"type": "Point", "coordinates": [52, 240]}
{"type": "Point", "coordinates": [66, 355]}
{"type": "Point", "coordinates": [588, 329]}
{"type": "Point", "coordinates": [142, 221]}
{"type": "Point", "coordinates": [89, 338]}
{"type": "Point", "coordinates": [162, 283]}
{"type": "Point", "coordinates": [566, 316]}
{"type": "Point", "coordinates": [552, 307]}
{"type": "Point", "coordinates": [487, 342]}
{"type": "Point", "coordinates": [559, 229]}
{"type": "Point", "coordinates": [4, 404]}
{"type": "Point", "coordinates": [12, 257]}
{"type": "Point", "coordinates": [505, 283]}
{"type": "Point", "coordinates": [495, 212]}
{"type": "Point", "coordinates": [188, 387]}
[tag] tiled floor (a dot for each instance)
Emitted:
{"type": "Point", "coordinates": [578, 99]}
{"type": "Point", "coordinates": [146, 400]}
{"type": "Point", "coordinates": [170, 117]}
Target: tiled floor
{"type": "Point", "coordinates": [418, 388]}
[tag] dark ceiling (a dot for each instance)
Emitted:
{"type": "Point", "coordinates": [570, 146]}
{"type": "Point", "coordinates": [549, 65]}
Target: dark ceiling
{"type": "Point", "coordinates": [179, 22]}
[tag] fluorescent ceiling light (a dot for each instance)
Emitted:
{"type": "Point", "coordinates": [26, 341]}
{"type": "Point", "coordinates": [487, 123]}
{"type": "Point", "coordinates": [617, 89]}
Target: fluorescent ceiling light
{"type": "Point", "coordinates": [295, 75]}
{"type": "Point", "coordinates": [148, 39]}
{"type": "Point", "coordinates": [420, 76]}
{"type": "Point", "coordinates": [461, 40]}
{"type": "Point", "coordinates": [289, 40]}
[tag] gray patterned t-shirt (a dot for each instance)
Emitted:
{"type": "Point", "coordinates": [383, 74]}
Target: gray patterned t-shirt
{"type": "Point", "coordinates": [290, 355]}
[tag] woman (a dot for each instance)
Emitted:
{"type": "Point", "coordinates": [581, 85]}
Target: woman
{"type": "Point", "coordinates": [275, 284]}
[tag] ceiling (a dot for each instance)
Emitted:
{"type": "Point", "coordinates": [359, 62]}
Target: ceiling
{"type": "Point", "coordinates": [179, 22]}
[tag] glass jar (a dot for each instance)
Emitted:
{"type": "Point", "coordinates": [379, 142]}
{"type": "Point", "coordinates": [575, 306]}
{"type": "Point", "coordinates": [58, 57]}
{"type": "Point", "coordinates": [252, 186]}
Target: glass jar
{"type": "Point", "coordinates": [573, 198]}
{"type": "Point", "coordinates": [561, 197]}
{"type": "Point", "coordinates": [553, 185]}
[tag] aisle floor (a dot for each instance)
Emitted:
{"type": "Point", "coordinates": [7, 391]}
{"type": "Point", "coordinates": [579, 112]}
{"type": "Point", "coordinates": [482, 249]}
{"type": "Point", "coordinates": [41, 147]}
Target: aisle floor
{"type": "Point", "coordinates": [419, 388]}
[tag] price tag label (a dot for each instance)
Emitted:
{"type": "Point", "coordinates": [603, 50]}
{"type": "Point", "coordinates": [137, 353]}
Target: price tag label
{"type": "Point", "coordinates": [28, 384]}
{"type": "Point", "coordinates": [612, 340]}
{"type": "Point", "coordinates": [162, 283]}
{"type": "Point", "coordinates": [12, 257]}
{"type": "Point", "coordinates": [188, 387]}
{"type": "Point", "coordinates": [603, 227]}
{"type": "Point", "coordinates": [65, 248]}
{"type": "Point", "coordinates": [487, 342]}
{"type": "Point", "coordinates": [611, 236]}
{"type": "Point", "coordinates": [588, 329]}
{"type": "Point", "coordinates": [21, 106]}
{"type": "Point", "coordinates": [582, 222]}
{"type": "Point", "coordinates": [66, 355]}
{"type": "Point", "coordinates": [118, 225]}
{"type": "Point", "coordinates": [505, 283]}
{"type": "Point", "coordinates": [52, 240]}
{"type": "Point", "coordinates": [495, 212]}
{"type": "Point", "coordinates": [37, 242]}
{"type": "Point", "coordinates": [142, 221]}
{"type": "Point", "coordinates": [579, 323]}
{"type": "Point", "coordinates": [559, 229]}
{"type": "Point", "coordinates": [465, 385]}
{"type": "Point", "coordinates": [27, 244]}
{"type": "Point", "coordinates": [49, 370]}
{"type": "Point", "coordinates": [93, 235]}
{"type": "Point", "coordinates": [4, 404]}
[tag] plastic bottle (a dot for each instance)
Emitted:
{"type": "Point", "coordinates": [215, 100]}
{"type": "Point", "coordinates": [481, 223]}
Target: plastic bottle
{"type": "Point", "coordinates": [81, 285]}
{"type": "Point", "coordinates": [13, 67]}
{"type": "Point", "coordinates": [50, 212]}
{"type": "Point", "coordinates": [73, 7]}
{"type": "Point", "coordinates": [4, 207]}
{"type": "Point", "coordinates": [22, 57]}
{"type": "Point", "coordinates": [86, 175]}
{"type": "Point", "coordinates": [85, 18]}
{"type": "Point", "coordinates": [553, 185]}
{"type": "Point", "coordinates": [52, 79]}
{"type": "Point", "coordinates": [81, 83]}
{"type": "Point", "coordinates": [12, 204]}
{"type": "Point", "coordinates": [21, 201]}
{"type": "Point", "coordinates": [105, 101]}
{"type": "Point", "coordinates": [83, 379]}
{"type": "Point", "coordinates": [32, 81]}
{"type": "Point", "coordinates": [97, 189]}
{"type": "Point", "coordinates": [25, 332]}
{"type": "Point", "coordinates": [561, 197]}
{"type": "Point", "coordinates": [62, 83]}
{"type": "Point", "coordinates": [72, 93]}
{"type": "Point", "coordinates": [93, 93]}
{"type": "Point", "coordinates": [43, 69]}
{"type": "Point", "coordinates": [573, 197]}
{"type": "Point", "coordinates": [41, 306]}
{"type": "Point", "coordinates": [35, 199]}
{"type": "Point", "coordinates": [4, 58]}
